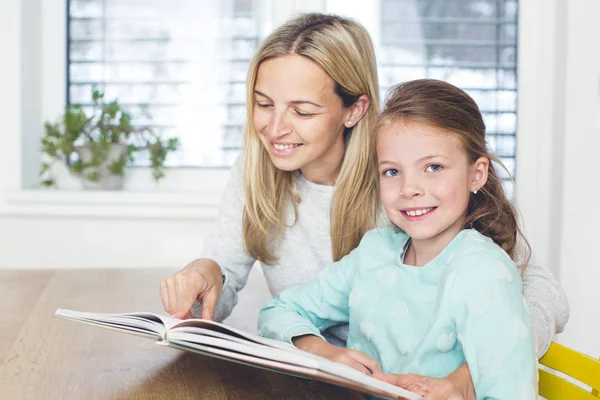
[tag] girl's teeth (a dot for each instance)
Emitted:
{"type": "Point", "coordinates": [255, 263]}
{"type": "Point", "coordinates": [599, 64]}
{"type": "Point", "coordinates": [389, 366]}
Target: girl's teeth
{"type": "Point", "coordinates": [414, 213]}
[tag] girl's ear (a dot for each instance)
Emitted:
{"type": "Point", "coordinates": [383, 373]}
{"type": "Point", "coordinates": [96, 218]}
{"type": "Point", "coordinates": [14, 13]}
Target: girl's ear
{"type": "Point", "coordinates": [480, 173]}
{"type": "Point", "coordinates": [356, 111]}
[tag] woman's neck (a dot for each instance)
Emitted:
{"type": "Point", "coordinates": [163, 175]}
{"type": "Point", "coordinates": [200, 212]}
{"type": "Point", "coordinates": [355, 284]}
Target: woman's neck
{"type": "Point", "coordinates": [323, 174]}
{"type": "Point", "coordinates": [325, 169]}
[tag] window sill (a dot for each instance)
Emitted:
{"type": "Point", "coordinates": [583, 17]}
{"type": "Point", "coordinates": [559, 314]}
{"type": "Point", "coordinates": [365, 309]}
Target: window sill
{"type": "Point", "coordinates": [111, 204]}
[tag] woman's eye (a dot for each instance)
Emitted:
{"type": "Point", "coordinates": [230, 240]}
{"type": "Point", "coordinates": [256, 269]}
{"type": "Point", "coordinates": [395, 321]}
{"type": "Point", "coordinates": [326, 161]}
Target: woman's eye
{"type": "Point", "coordinates": [434, 168]}
{"type": "Point", "coordinates": [263, 105]}
{"type": "Point", "coordinates": [391, 172]}
{"type": "Point", "coordinates": [304, 114]}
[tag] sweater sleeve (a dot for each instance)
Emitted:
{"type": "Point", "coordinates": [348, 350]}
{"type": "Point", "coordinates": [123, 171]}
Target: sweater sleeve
{"type": "Point", "coordinates": [547, 303]}
{"type": "Point", "coordinates": [311, 307]}
{"type": "Point", "coordinates": [494, 328]}
{"type": "Point", "coordinates": [225, 245]}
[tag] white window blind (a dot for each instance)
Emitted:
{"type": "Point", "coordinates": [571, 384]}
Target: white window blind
{"type": "Point", "coordinates": [178, 66]}
{"type": "Point", "coordinates": [469, 43]}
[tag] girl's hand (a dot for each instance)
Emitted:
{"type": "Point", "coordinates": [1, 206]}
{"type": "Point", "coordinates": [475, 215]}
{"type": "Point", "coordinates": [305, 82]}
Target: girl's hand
{"type": "Point", "coordinates": [429, 388]}
{"type": "Point", "coordinates": [200, 280]}
{"type": "Point", "coordinates": [350, 357]}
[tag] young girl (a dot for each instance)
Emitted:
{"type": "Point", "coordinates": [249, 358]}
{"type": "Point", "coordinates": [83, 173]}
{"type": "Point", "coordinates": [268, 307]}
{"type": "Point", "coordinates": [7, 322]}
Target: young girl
{"type": "Point", "coordinates": [441, 287]}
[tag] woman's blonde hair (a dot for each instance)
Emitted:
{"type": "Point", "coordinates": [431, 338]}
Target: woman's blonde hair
{"type": "Point", "coordinates": [449, 108]}
{"type": "Point", "coordinates": [344, 50]}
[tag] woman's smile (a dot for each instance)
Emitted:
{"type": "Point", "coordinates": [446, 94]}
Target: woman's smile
{"type": "Point", "coordinates": [284, 149]}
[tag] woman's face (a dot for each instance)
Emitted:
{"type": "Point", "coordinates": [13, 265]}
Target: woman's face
{"type": "Point", "coordinates": [299, 118]}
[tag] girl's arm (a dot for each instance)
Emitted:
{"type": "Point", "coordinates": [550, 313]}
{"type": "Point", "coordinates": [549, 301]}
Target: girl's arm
{"type": "Point", "coordinates": [299, 314]}
{"type": "Point", "coordinates": [312, 306]}
{"type": "Point", "coordinates": [547, 302]}
{"type": "Point", "coordinates": [493, 327]}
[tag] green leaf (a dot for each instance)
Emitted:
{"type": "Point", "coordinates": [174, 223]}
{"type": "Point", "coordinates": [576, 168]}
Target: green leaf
{"type": "Point", "coordinates": [92, 176]}
{"type": "Point", "coordinates": [111, 109]}
{"type": "Point", "coordinates": [118, 167]}
{"type": "Point", "coordinates": [48, 182]}
{"type": "Point", "coordinates": [173, 144]}
{"type": "Point", "coordinates": [157, 174]}
{"type": "Point", "coordinates": [97, 95]}
{"type": "Point", "coordinates": [76, 167]}
{"type": "Point", "coordinates": [45, 167]}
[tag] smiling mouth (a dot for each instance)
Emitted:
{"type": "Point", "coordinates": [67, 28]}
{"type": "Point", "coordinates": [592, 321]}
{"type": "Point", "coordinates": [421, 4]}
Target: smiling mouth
{"type": "Point", "coordinates": [418, 212]}
{"type": "Point", "coordinates": [278, 146]}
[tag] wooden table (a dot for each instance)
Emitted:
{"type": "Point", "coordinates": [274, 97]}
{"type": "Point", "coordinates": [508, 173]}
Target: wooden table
{"type": "Point", "coordinates": [49, 358]}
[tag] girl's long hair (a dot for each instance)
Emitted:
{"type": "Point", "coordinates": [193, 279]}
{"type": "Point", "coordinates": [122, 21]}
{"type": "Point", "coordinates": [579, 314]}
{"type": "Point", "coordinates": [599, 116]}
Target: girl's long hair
{"type": "Point", "coordinates": [344, 50]}
{"type": "Point", "coordinates": [447, 107]}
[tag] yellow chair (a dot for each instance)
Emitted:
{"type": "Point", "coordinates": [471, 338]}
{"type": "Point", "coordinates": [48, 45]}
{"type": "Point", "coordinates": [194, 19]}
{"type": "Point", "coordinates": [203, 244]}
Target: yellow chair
{"type": "Point", "coordinates": [577, 365]}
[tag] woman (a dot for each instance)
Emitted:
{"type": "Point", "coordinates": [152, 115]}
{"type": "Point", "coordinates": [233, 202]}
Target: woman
{"type": "Point", "coordinates": [312, 100]}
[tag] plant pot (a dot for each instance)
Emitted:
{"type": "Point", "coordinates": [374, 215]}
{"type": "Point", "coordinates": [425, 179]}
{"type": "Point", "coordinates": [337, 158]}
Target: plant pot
{"type": "Point", "coordinates": [106, 180]}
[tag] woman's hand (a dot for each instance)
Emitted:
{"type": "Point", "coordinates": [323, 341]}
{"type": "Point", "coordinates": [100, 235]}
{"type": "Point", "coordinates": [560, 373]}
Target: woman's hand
{"type": "Point", "coordinates": [200, 280]}
{"type": "Point", "coordinates": [350, 357]}
{"type": "Point", "coordinates": [429, 388]}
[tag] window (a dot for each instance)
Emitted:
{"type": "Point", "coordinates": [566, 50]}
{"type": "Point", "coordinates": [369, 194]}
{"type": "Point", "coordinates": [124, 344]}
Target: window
{"type": "Point", "coordinates": [469, 43]}
{"type": "Point", "coordinates": [180, 66]}
{"type": "Point", "coordinates": [177, 66]}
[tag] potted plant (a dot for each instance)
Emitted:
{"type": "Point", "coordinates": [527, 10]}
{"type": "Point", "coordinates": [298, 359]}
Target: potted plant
{"type": "Point", "coordinates": [98, 145]}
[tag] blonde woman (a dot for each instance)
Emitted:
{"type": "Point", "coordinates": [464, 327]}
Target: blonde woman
{"type": "Point", "coordinates": [308, 183]}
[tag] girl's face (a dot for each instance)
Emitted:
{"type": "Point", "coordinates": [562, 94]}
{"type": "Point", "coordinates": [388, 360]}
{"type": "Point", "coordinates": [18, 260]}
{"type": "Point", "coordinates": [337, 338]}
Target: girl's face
{"type": "Point", "coordinates": [299, 118]}
{"type": "Point", "coordinates": [425, 179]}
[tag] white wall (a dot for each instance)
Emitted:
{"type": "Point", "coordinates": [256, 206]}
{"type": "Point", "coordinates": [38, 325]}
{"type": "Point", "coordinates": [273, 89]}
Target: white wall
{"type": "Point", "coordinates": [558, 144]}
{"type": "Point", "coordinates": [580, 214]}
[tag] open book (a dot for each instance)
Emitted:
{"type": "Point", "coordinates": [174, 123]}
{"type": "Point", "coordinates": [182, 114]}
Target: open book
{"type": "Point", "coordinates": [218, 340]}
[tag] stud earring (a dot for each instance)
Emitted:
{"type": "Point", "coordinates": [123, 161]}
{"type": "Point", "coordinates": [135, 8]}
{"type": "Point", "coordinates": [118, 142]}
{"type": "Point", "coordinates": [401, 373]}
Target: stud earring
{"type": "Point", "coordinates": [475, 191]}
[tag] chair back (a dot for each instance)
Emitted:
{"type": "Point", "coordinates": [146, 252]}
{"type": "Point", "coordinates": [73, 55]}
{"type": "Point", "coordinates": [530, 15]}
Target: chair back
{"type": "Point", "coordinates": [574, 364]}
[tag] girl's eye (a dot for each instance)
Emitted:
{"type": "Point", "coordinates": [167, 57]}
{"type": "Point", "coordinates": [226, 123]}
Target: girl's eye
{"type": "Point", "coordinates": [434, 168]}
{"type": "Point", "coordinates": [391, 172]}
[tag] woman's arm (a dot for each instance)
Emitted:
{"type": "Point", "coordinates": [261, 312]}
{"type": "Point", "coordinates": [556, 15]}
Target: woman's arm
{"type": "Point", "coordinates": [225, 246]}
{"type": "Point", "coordinates": [547, 303]}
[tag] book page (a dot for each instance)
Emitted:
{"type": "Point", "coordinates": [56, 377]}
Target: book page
{"type": "Point", "coordinates": [189, 325]}
{"type": "Point", "coordinates": [246, 347]}
{"type": "Point", "coordinates": [143, 323]}
{"type": "Point", "coordinates": [328, 371]}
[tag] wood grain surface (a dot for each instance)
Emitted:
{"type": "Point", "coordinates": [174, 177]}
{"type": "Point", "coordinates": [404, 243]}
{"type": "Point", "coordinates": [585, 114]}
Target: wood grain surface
{"type": "Point", "coordinates": [49, 358]}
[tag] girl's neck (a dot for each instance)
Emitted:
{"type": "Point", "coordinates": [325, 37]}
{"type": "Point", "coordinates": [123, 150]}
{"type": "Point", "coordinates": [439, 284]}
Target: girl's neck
{"type": "Point", "coordinates": [422, 251]}
{"type": "Point", "coordinates": [419, 254]}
